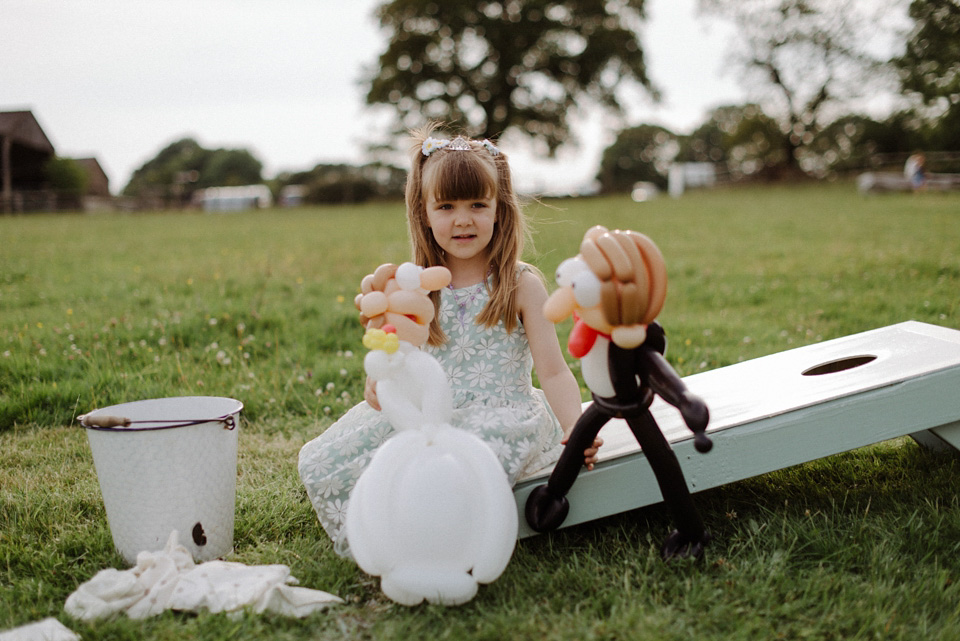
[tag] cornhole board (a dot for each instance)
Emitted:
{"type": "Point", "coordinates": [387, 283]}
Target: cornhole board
{"type": "Point", "coordinates": [776, 411]}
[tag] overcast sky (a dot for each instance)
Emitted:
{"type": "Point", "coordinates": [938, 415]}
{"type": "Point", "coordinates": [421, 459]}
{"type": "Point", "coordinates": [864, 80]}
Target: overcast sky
{"type": "Point", "coordinates": [121, 79]}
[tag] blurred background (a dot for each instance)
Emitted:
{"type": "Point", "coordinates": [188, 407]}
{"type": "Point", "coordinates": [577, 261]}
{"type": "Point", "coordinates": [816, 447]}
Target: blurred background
{"type": "Point", "coordinates": [230, 104]}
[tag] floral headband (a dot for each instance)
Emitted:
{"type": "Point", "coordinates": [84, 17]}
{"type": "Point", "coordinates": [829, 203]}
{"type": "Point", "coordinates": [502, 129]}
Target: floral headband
{"type": "Point", "coordinates": [459, 143]}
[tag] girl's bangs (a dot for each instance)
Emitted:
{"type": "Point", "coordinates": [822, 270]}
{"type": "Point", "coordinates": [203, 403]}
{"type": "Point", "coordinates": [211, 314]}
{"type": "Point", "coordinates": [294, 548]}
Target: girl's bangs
{"type": "Point", "coordinates": [459, 175]}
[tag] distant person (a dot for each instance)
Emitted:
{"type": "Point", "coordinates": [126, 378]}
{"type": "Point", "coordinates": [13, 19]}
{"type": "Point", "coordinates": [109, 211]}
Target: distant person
{"type": "Point", "coordinates": [463, 214]}
{"type": "Point", "coordinates": [915, 171]}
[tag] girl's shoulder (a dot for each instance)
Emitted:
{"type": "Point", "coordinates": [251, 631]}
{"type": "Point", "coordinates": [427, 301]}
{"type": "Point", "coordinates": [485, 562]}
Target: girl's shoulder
{"type": "Point", "coordinates": [531, 287]}
{"type": "Point", "coordinates": [526, 269]}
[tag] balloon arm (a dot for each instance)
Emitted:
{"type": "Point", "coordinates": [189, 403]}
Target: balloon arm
{"type": "Point", "coordinates": [399, 409]}
{"type": "Point", "coordinates": [665, 382]}
{"type": "Point", "coordinates": [411, 388]}
{"type": "Point", "coordinates": [437, 399]}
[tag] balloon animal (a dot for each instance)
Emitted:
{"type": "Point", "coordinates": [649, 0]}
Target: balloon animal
{"type": "Point", "coordinates": [615, 288]}
{"type": "Point", "coordinates": [433, 515]}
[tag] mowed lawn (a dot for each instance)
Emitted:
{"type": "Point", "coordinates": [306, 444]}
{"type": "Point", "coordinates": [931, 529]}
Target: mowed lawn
{"type": "Point", "coordinates": [108, 308]}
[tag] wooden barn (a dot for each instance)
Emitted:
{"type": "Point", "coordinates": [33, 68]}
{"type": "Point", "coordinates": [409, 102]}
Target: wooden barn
{"type": "Point", "coordinates": [98, 184]}
{"type": "Point", "coordinates": [25, 185]}
{"type": "Point", "coordinates": [24, 151]}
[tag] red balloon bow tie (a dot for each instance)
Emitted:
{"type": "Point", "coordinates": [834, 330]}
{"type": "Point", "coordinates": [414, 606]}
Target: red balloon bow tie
{"type": "Point", "coordinates": [582, 338]}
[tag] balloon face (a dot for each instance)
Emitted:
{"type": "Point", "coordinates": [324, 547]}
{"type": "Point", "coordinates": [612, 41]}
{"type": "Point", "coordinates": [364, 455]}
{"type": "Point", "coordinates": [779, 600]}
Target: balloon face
{"type": "Point", "coordinates": [616, 285]}
{"type": "Point", "coordinates": [408, 276]}
{"type": "Point", "coordinates": [399, 296]}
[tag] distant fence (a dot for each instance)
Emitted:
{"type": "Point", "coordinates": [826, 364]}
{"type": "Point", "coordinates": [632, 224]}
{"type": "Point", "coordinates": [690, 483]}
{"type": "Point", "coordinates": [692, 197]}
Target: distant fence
{"type": "Point", "coordinates": [41, 200]}
{"type": "Point", "coordinates": [937, 161]}
{"type": "Point", "coordinates": [886, 173]}
{"type": "Point", "coordinates": [876, 172]}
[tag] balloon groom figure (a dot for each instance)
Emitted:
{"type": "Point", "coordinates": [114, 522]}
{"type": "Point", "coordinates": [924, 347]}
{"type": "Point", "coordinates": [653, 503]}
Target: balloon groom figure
{"type": "Point", "coordinates": [615, 288]}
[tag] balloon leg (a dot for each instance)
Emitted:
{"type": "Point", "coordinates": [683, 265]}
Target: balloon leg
{"type": "Point", "coordinates": [691, 535]}
{"type": "Point", "coordinates": [547, 505]}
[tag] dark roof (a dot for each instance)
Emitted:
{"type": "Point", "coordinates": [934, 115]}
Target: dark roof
{"type": "Point", "coordinates": [91, 165]}
{"type": "Point", "coordinates": [23, 129]}
{"type": "Point", "coordinates": [99, 184]}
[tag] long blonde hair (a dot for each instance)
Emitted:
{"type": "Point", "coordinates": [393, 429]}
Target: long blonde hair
{"type": "Point", "coordinates": [461, 174]}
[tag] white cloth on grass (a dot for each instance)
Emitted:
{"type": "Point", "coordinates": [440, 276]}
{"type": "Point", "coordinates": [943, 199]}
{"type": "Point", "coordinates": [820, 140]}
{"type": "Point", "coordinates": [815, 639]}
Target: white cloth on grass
{"type": "Point", "coordinates": [46, 630]}
{"type": "Point", "coordinates": [170, 580]}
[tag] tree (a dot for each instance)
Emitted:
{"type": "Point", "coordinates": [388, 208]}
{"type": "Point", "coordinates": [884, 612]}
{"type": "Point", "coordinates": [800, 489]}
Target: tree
{"type": "Point", "coordinates": [493, 65]}
{"type": "Point", "coordinates": [346, 183]}
{"type": "Point", "coordinates": [742, 139]}
{"type": "Point", "coordinates": [930, 65]}
{"type": "Point", "coordinates": [640, 153]}
{"type": "Point", "coordinates": [177, 158]}
{"type": "Point", "coordinates": [230, 168]}
{"type": "Point", "coordinates": [852, 143]}
{"type": "Point", "coordinates": [808, 57]}
{"type": "Point", "coordinates": [707, 144]}
{"type": "Point", "coordinates": [68, 179]}
{"type": "Point", "coordinates": [184, 166]}
{"type": "Point", "coordinates": [67, 176]}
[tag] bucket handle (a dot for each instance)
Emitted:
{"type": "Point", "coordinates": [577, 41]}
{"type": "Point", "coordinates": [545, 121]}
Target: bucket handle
{"type": "Point", "coordinates": [112, 422]}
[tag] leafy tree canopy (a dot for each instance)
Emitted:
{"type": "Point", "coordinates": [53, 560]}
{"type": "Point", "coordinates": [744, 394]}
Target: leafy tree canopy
{"type": "Point", "coordinates": [66, 175]}
{"type": "Point", "coordinates": [930, 65]}
{"type": "Point", "coordinates": [930, 68]}
{"type": "Point", "coordinates": [341, 183]}
{"type": "Point", "coordinates": [640, 153]}
{"type": "Point", "coordinates": [805, 58]}
{"type": "Point", "coordinates": [490, 66]}
{"type": "Point", "coordinates": [852, 142]}
{"type": "Point", "coordinates": [184, 166]}
{"type": "Point", "coordinates": [742, 138]}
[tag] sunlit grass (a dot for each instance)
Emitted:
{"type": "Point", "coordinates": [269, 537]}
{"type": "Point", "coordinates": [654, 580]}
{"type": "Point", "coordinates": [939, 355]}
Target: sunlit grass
{"type": "Point", "coordinates": [103, 309]}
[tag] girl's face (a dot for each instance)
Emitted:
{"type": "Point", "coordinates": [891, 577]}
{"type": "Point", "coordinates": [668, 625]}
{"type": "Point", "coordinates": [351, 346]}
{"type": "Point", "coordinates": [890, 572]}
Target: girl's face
{"type": "Point", "coordinates": [462, 228]}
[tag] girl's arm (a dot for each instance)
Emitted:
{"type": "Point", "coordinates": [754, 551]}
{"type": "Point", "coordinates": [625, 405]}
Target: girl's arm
{"type": "Point", "coordinates": [370, 394]}
{"type": "Point", "coordinates": [556, 379]}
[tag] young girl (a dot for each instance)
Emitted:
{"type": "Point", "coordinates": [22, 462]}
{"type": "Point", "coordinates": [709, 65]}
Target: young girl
{"type": "Point", "coordinates": [489, 329]}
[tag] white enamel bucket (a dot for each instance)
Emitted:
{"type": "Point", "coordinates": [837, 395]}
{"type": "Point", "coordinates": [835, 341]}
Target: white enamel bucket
{"type": "Point", "coordinates": [168, 464]}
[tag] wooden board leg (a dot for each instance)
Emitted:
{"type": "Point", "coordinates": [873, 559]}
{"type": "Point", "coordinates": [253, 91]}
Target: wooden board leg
{"type": "Point", "coordinates": [945, 437]}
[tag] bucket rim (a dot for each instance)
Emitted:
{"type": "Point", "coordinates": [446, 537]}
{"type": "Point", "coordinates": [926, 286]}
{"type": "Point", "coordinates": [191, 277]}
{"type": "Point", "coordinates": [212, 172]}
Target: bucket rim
{"type": "Point", "coordinates": [127, 425]}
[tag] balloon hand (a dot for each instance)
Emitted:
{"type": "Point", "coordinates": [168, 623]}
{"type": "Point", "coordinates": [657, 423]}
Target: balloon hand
{"type": "Point", "coordinates": [702, 442]}
{"type": "Point", "coordinates": [696, 416]}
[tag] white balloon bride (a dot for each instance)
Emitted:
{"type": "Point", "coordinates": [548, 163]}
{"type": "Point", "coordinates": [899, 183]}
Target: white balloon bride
{"type": "Point", "coordinates": [433, 515]}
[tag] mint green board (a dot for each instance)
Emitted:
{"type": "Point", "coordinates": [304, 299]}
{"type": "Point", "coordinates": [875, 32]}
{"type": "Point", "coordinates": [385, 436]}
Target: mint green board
{"type": "Point", "coordinates": [766, 414]}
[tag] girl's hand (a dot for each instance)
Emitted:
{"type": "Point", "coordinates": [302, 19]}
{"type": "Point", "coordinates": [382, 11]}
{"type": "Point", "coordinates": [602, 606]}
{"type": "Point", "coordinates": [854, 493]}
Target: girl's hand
{"type": "Point", "coordinates": [370, 394]}
{"type": "Point", "coordinates": [589, 454]}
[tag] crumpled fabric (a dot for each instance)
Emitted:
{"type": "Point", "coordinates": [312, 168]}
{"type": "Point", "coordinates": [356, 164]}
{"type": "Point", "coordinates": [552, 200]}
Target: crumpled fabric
{"type": "Point", "coordinates": [46, 630]}
{"type": "Point", "coordinates": [170, 580]}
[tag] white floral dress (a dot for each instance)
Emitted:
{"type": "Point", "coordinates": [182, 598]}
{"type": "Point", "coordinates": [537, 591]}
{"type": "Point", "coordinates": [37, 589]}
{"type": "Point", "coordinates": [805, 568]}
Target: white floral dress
{"type": "Point", "coordinates": [493, 397]}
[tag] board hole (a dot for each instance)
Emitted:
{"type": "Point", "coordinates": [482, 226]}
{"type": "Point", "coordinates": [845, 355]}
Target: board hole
{"type": "Point", "coordinates": [839, 365]}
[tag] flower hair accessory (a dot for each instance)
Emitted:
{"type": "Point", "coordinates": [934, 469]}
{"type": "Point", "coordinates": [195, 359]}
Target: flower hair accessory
{"type": "Point", "coordinates": [489, 146]}
{"type": "Point", "coordinates": [430, 145]}
{"type": "Point", "coordinates": [459, 143]}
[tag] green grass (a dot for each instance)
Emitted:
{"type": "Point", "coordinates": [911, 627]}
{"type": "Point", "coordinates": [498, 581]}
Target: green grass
{"type": "Point", "coordinates": [104, 309]}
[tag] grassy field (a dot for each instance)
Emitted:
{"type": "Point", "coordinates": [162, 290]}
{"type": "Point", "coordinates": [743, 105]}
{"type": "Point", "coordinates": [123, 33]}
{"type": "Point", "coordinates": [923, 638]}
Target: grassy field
{"type": "Point", "coordinates": [103, 309]}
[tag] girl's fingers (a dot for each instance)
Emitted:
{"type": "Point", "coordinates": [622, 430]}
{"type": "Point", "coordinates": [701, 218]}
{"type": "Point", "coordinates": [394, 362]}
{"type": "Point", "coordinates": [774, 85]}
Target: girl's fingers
{"type": "Point", "coordinates": [370, 394]}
